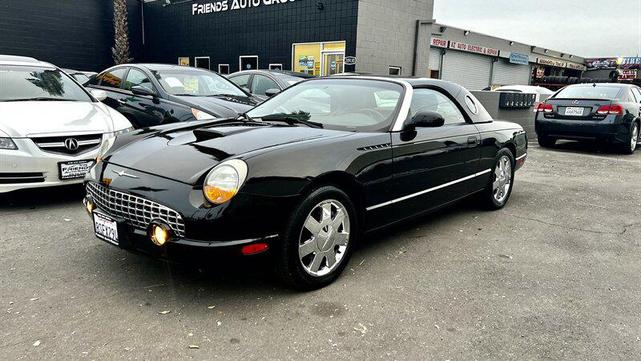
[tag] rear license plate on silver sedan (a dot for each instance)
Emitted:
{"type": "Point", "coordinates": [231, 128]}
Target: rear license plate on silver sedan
{"type": "Point", "coordinates": [105, 228]}
{"type": "Point", "coordinates": [574, 111]}
{"type": "Point", "coordinates": [74, 170]}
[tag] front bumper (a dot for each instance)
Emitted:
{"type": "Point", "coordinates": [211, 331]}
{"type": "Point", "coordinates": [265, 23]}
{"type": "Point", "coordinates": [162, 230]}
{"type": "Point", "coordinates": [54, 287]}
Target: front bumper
{"type": "Point", "coordinates": [605, 130]}
{"type": "Point", "coordinates": [35, 167]}
{"type": "Point", "coordinates": [136, 202]}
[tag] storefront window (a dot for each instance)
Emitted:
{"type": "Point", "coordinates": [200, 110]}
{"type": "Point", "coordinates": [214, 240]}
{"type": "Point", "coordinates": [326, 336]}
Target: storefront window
{"type": "Point", "coordinates": [320, 59]}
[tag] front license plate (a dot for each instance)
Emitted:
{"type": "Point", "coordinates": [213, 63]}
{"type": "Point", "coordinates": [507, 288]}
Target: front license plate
{"type": "Point", "coordinates": [105, 228]}
{"type": "Point", "coordinates": [74, 170]}
{"type": "Point", "coordinates": [574, 111]}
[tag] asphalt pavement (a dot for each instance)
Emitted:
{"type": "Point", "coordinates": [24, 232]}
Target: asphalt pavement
{"type": "Point", "coordinates": [555, 275]}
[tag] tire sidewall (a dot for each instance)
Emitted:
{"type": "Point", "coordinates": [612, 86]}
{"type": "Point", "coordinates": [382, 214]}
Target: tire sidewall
{"type": "Point", "coordinates": [490, 191]}
{"type": "Point", "coordinates": [288, 262]}
{"type": "Point", "coordinates": [629, 149]}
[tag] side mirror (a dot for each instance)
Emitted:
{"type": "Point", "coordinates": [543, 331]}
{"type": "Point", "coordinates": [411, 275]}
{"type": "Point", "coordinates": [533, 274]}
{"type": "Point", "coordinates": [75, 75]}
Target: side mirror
{"type": "Point", "coordinates": [142, 91]}
{"type": "Point", "coordinates": [271, 92]}
{"type": "Point", "coordinates": [425, 120]}
{"type": "Point", "coordinates": [100, 95]}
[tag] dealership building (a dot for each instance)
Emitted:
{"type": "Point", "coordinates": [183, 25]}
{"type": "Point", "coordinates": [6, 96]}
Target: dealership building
{"type": "Point", "coordinates": [322, 38]}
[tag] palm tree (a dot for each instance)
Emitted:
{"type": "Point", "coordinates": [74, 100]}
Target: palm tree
{"type": "Point", "coordinates": [120, 51]}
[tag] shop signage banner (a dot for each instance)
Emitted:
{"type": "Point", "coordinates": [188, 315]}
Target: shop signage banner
{"type": "Point", "coordinates": [631, 62]}
{"type": "Point", "coordinates": [628, 74]}
{"type": "Point", "coordinates": [551, 62]}
{"type": "Point", "coordinates": [518, 58]}
{"type": "Point", "coordinates": [576, 66]}
{"type": "Point", "coordinates": [232, 5]}
{"type": "Point", "coordinates": [601, 63]}
{"type": "Point", "coordinates": [439, 43]}
{"type": "Point", "coordinates": [473, 48]}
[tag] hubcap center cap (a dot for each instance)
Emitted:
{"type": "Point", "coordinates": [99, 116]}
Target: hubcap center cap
{"type": "Point", "coordinates": [325, 241]}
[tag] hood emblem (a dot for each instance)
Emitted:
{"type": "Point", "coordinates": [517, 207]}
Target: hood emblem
{"type": "Point", "coordinates": [122, 173]}
{"type": "Point", "coordinates": [71, 144]}
{"type": "Point", "coordinates": [575, 102]}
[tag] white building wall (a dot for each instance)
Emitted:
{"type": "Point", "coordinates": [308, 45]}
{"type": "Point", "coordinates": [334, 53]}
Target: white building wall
{"type": "Point", "coordinates": [386, 33]}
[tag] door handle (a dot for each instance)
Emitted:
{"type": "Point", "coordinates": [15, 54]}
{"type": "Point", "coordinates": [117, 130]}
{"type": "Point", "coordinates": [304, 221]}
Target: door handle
{"type": "Point", "coordinates": [472, 140]}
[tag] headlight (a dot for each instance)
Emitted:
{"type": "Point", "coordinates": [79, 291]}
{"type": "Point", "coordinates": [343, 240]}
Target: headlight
{"type": "Point", "coordinates": [123, 131]}
{"type": "Point", "coordinates": [200, 115]}
{"type": "Point", "coordinates": [7, 143]}
{"type": "Point", "coordinates": [105, 148]}
{"type": "Point", "coordinates": [224, 181]}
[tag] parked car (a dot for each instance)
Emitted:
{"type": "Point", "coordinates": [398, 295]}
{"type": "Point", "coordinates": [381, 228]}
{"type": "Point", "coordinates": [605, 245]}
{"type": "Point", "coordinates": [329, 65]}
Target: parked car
{"type": "Point", "coordinates": [305, 173]}
{"type": "Point", "coordinates": [153, 94]}
{"type": "Point", "coordinates": [266, 83]}
{"type": "Point", "coordinates": [51, 128]}
{"type": "Point", "coordinates": [604, 112]}
{"type": "Point", "coordinates": [81, 77]}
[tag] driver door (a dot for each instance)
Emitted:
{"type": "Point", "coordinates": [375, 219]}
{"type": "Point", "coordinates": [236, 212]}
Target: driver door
{"type": "Point", "coordinates": [142, 111]}
{"type": "Point", "coordinates": [433, 166]}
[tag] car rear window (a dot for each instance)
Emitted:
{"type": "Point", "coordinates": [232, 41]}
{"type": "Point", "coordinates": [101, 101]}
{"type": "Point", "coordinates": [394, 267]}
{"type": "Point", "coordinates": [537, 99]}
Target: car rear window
{"type": "Point", "coordinates": [589, 92]}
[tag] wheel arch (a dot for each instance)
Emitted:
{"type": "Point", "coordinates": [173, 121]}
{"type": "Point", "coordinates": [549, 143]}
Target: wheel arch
{"type": "Point", "coordinates": [346, 183]}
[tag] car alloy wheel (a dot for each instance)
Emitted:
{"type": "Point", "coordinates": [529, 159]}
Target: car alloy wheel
{"type": "Point", "coordinates": [503, 179]}
{"type": "Point", "coordinates": [324, 238]}
{"type": "Point", "coordinates": [634, 138]}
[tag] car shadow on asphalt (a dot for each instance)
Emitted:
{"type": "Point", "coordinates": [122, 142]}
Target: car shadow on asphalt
{"type": "Point", "coordinates": [42, 197]}
{"type": "Point", "coordinates": [585, 147]}
{"type": "Point", "coordinates": [191, 278]}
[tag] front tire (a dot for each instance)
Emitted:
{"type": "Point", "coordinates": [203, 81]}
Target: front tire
{"type": "Point", "coordinates": [633, 139]}
{"type": "Point", "coordinates": [498, 191]}
{"type": "Point", "coordinates": [318, 240]}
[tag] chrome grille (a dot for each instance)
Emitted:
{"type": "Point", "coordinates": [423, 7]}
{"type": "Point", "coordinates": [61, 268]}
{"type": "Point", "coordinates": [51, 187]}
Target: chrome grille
{"type": "Point", "coordinates": [136, 211]}
{"type": "Point", "coordinates": [80, 143]}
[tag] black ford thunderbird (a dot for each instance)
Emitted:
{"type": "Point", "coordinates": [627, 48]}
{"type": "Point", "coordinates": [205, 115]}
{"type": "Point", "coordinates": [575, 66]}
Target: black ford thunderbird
{"type": "Point", "coordinates": [306, 174]}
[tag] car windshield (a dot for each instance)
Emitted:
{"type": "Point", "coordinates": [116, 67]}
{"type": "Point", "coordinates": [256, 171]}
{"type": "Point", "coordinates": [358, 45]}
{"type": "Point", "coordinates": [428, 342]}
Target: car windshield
{"type": "Point", "coordinates": [24, 83]}
{"type": "Point", "coordinates": [355, 105]}
{"type": "Point", "coordinates": [194, 82]}
{"type": "Point", "coordinates": [589, 92]}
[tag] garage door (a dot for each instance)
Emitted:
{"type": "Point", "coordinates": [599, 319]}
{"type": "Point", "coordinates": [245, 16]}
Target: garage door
{"type": "Point", "coordinates": [510, 74]}
{"type": "Point", "coordinates": [469, 70]}
{"type": "Point", "coordinates": [435, 59]}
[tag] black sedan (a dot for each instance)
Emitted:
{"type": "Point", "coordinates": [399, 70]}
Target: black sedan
{"type": "Point", "coordinates": [306, 174]}
{"type": "Point", "coordinates": [608, 113]}
{"type": "Point", "coordinates": [266, 83]}
{"type": "Point", "coordinates": [153, 94]}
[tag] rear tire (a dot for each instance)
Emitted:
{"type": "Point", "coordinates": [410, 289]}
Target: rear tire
{"type": "Point", "coordinates": [499, 189]}
{"type": "Point", "coordinates": [318, 240]}
{"type": "Point", "coordinates": [630, 146]}
{"type": "Point", "coordinates": [546, 142]}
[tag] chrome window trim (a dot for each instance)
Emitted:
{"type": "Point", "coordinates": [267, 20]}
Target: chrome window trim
{"type": "Point", "coordinates": [445, 185]}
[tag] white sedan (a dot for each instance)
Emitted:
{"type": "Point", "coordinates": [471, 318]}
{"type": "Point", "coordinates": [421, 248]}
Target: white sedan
{"type": "Point", "coordinates": [51, 128]}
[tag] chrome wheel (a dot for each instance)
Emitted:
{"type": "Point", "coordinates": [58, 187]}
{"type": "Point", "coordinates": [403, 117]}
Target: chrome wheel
{"type": "Point", "coordinates": [634, 139]}
{"type": "Point", "coordinates": [324, 238]}
{"type": "Point", "coordinates": [502, 179]}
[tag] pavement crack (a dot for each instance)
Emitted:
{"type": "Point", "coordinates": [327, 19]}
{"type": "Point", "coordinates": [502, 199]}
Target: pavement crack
{"type": "Point", "coordinates": [564, 226]}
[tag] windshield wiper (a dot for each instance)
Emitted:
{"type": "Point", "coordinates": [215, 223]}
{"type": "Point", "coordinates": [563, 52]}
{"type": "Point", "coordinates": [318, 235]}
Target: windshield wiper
{"type": "Point", "coordinates": [291, 119]}
{"type": "Point", "coordinates": [40, 99]}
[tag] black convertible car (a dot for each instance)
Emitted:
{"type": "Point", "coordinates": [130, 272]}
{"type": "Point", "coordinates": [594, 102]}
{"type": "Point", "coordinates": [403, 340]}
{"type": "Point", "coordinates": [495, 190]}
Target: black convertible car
{"type": "Point", "coordinates": [305, 174]}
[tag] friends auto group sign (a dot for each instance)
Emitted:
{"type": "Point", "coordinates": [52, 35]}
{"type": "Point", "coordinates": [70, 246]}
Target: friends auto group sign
{"type": "Point", "coordinates": [233, 5]}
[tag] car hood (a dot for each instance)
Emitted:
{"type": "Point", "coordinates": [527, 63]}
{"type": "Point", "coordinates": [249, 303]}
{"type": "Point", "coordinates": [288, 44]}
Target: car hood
{"type": "Point", "coordinates": [221, 107]}
{"type": "Point", "coordinates": [185, 155]}
{"type": "Point", "coordinates": [27, 119]}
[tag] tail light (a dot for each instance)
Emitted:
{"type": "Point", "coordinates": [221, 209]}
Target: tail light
{"type": "Point", "coordinates": [545, 107]}
{"type": "Point", "coordinates": [610, 109]}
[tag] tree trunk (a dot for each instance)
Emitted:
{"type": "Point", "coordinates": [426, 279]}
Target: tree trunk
{"type": "Point", "coordinates": [120, 50]}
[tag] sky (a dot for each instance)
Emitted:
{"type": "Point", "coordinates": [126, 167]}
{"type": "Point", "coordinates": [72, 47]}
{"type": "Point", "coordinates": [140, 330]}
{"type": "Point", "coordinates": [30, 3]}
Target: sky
{"type": "Point", "coordinates": [590, 28]}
